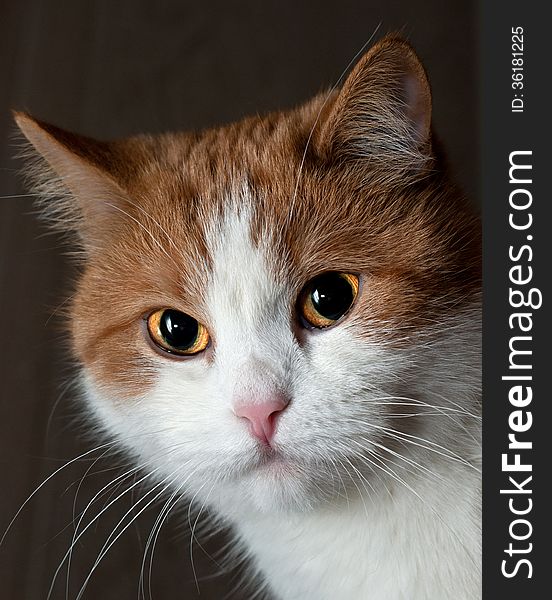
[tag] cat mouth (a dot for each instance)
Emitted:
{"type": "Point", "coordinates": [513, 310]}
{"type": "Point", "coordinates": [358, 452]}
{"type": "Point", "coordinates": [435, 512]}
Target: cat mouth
{"type": "Point", "coordinates": [268, 454]}
{"type": "Point", "coordinates": [269, 458]}
{"type": "Point", "coordinates": [274, 462]}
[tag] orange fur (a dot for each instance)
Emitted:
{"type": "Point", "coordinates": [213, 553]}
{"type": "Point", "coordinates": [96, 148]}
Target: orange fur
{"type": "Point", "coordinates": [344, 198]}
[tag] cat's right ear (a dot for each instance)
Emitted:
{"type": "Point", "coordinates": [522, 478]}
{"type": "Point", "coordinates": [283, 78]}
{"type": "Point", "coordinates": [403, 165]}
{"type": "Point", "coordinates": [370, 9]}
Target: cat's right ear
{"type": "Point", "coordinates": [72, 176]}
{"type": "Point", "coordinates": [382, 114]}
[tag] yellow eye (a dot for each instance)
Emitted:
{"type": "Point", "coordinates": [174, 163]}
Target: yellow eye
{"type": "Point", "coordinates": [177, 333]}
{"type": "Point", "coordinates": [327, 298]}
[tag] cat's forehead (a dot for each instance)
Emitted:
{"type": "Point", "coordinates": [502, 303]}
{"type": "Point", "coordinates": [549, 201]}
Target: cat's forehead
{"type": "Point", "coordinates": [261, 170]}
{"type": "Point", "coordinates": [262, 187]}
{"type": "Point", "coordinates": [246, 281]}
{"type": "Point", "coordinates": [212, 202]}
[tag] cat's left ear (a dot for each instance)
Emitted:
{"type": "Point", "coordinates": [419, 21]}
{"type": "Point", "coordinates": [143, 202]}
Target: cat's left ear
{"type": "Point", "coordinates": [383, 111]}
{"type": "Point", "coordinates": [76, 180]}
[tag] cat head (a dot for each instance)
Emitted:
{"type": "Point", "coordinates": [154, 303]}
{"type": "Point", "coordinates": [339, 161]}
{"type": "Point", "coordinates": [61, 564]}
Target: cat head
{"type": "Point", "coordinates": [262, 305]}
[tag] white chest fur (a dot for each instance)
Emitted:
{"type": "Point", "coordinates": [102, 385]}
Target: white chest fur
{"type": "Point", "coordinates": [409, 545]}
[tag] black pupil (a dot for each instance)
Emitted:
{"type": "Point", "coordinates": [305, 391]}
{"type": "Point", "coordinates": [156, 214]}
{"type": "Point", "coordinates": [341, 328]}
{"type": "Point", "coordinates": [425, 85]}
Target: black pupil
{"type": "Point", "coordinates": [331, 295]}
{"type": "Point", "coordinates": [178, 329]}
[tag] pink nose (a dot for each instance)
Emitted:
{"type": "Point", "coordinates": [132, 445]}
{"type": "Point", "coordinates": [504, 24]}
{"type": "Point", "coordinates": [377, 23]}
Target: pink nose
{"type": "Point", "coordinates": [262, 416]}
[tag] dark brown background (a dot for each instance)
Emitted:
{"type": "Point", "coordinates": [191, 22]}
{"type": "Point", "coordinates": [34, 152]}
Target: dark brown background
{"type": "Point", "coordinates": [113, 68]}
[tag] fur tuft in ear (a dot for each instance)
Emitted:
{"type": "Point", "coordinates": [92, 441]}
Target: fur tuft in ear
{"type": "Point", "coordinates": [383, 111]}
{"type": "Point", "coordinates": [70, 175]}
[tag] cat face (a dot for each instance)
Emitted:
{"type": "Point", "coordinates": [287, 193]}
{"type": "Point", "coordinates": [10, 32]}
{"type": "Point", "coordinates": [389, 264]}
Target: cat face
{"type": "Point", "coordinates": [267, 309]}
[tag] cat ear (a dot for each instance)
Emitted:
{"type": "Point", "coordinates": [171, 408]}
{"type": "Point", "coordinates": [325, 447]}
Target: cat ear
{"type": "Point", "coordinates": [73, 178]}
{"type": "Point", "coordinates": [383, 111]}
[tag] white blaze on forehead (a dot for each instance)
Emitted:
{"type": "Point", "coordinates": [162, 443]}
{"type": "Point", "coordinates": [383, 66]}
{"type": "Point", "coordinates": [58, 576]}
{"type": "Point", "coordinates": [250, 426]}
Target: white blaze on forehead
{"type": "Point", "coordinates": [249, 309]}
{"type": "Point", "coordinates": [240, 277]}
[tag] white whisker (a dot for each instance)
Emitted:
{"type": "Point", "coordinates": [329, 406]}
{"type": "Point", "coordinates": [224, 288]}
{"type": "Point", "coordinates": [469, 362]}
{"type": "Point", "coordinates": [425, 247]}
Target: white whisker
{"type": "Point", "coordinates": [77, 458]}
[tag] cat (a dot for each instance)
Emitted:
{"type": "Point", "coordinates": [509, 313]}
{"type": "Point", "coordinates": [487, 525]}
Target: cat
{"type": "Point", "coordinates": [281, 318]}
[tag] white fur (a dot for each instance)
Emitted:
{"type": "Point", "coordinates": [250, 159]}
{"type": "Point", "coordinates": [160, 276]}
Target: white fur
{"type": "Point", "coordinates": [321, 523]}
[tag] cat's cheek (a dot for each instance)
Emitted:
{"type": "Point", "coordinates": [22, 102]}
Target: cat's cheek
{"type": "Point", "coordinates": [112, 411]}
{"type": "Point", "coordinates": [189, 419]}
